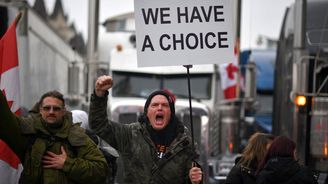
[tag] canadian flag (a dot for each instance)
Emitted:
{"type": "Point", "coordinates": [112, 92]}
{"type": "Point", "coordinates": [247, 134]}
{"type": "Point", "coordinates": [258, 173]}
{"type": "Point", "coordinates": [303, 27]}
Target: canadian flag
{"type": "Point", "coordinates": [228, 73]}
{"type": "Point", "coordinates": [10, 165]}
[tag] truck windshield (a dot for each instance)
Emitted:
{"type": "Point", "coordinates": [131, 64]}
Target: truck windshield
{"type": "Point", "coordinates": [127, 84]}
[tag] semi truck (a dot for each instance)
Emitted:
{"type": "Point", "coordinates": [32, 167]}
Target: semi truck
{"type": "Point", "coordinates": [259, 116]}
{"type": "Point", "coordinates": [300, 108]}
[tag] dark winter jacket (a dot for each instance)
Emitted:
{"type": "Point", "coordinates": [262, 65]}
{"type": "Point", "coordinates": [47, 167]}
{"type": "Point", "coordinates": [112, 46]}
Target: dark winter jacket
{"type": "Point", "coordinates": [29, 139]}
{"type": "Point", "coordinates": [285, 170]}
{"type": "Point", "coordinates": [138, 152]}
{"type": "Point", "coordinates": [241, 174]}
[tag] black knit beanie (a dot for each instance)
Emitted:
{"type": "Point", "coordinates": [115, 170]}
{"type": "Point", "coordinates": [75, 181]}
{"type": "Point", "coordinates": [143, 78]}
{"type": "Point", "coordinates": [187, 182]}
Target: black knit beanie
{"type": "Point", "coordinates": [166, 135]}
{"type": "Point", "coordinates": [168, 97]}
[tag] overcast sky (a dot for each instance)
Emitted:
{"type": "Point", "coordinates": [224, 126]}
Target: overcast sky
{"type": "Point", "coordinates": [259, 17]}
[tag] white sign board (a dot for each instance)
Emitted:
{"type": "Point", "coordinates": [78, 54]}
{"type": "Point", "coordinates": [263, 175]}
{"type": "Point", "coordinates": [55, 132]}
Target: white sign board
{"type": "Point", "coordinates": [183, 32]}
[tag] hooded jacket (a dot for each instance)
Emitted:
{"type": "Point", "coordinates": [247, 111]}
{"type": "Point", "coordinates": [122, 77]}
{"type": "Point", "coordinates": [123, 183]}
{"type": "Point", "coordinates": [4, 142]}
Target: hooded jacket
{"type": "Point", "coordinates": [241, 174]}
{"type": "Point", "coordinates": [29, 139]}
{"type": "Point", "coordinates": [137, 149]}
{"type": "Point", "coordinates": [285, 170]}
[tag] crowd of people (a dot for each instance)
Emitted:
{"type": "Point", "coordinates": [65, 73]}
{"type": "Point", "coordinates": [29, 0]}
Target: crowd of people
{"type": "Point", "coordinates": [59, 146]}
{"type": "Point", "coordinates": [55, 146]}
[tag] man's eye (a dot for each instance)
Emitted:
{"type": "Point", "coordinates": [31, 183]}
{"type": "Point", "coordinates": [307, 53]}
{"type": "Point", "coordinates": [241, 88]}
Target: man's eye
{"type": "Point", "coordinates": [46, 108]}
{"type": "Point", "coordinates": [54, 108]}
{"type": "Point", "coordinates": [154, 105]}
{"type": "Point", "coordinates": [165, 105]}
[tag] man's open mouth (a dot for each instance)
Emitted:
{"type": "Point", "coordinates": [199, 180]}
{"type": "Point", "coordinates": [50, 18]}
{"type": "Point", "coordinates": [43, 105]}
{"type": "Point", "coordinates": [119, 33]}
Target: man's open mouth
{"type": "Point", "coordinates": [159, 117]}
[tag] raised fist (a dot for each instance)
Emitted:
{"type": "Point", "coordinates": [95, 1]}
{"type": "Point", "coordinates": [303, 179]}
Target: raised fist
{"type": "Point", "coordinates": [103, 84]}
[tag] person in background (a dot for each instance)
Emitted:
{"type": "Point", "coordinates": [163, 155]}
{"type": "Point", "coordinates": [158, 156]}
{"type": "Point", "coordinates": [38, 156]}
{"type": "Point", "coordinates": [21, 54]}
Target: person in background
{"type": "Point", "coordinates": [154, 150]}
{"type": "Point", "coordinates": [110, 153]}
{"type": "Point", "coordinates": [50, 147]}
{"type": "Point", "coordinates": [81, 117]}
{"type": "Point", "coordinates": [243, 172]}
{"type": "Point", "coordinates": [280, 165]}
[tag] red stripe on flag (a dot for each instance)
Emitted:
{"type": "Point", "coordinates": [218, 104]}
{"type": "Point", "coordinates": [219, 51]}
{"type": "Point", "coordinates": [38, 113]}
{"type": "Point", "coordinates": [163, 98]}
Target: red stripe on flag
{"type": "Point", "coordinates": [230, 92]}
{"type": "Point", "coordinates": [8, 50]}
{"type": "Point", "coordinates": [8, 155]}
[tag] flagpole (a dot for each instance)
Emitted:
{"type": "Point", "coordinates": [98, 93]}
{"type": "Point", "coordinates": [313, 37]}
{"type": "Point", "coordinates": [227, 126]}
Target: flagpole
{"type": "Point", "coordinates": [190, 107]}
{"type": "Point", "coordinates": [18, 17]}
{"type": "Point", "coordinates": [237, 41]}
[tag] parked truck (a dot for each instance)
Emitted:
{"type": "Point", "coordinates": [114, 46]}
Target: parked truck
{"type": "Point", "coordinates": [301, 87]}
{"type": "Point", "coordinates": [258, 117]}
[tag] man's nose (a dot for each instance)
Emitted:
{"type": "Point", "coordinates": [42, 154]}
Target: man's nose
{"type": "Point", "coordinates": [52, 110]}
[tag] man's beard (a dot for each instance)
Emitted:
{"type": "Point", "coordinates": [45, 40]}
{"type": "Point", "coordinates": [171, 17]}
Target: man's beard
{"type": "Point", "coordinates": [55, 124]}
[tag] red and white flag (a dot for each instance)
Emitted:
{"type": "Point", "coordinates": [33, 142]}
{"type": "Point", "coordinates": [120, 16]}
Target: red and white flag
{"type": "Point", "coordinates": [229, 74]}
{"type": "Point", "coordinates": [10, 165]}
